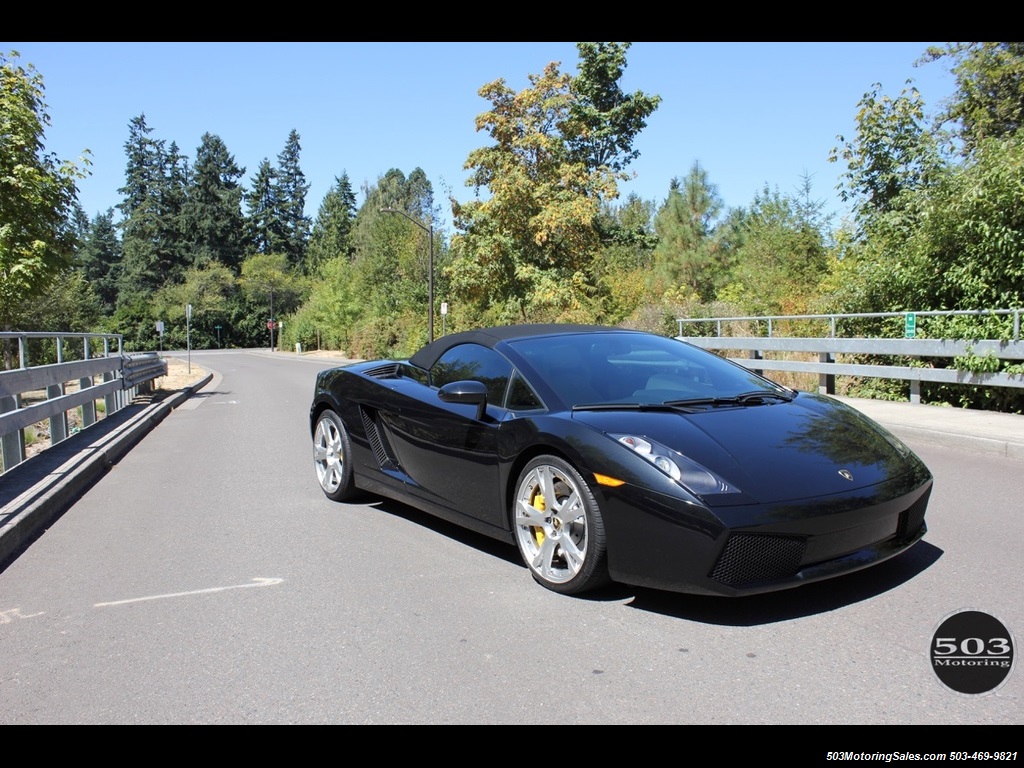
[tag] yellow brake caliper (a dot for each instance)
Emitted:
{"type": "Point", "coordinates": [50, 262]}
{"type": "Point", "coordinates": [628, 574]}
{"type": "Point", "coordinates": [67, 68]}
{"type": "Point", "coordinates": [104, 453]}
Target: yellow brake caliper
{"type": "Point", "coordinates": [540, 506]}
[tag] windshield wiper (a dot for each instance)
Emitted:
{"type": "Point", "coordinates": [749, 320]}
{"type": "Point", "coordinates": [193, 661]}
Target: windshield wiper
{"type": "Point", "coordinates": [764, 394]}
{"type": "Point", "coordinates": [691, 404]}
{"type": "Point", "coordinates": [631, 407]}
{"type": "Point", "coordinates": [745, 398]}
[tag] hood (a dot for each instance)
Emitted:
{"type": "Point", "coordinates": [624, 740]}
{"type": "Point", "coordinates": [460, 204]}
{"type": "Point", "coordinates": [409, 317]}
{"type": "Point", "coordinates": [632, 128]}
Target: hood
{"type": "Point", "coordinates": [781, 451]}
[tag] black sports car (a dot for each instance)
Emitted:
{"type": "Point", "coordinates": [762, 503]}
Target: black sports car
{"type": "Point", "coordinates": [610, 454]}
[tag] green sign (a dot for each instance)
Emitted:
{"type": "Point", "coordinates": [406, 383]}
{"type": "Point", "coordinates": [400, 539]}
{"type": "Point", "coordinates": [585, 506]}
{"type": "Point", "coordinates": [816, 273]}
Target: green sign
{"type": "Point", "coordinates": [911, 326]}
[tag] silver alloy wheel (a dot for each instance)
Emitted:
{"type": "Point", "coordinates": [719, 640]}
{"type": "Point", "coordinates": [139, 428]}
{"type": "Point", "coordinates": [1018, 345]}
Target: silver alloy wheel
{"type": "Point", "coordinates": [328, 455]}
{"type": "Point", "coordinates": [551, 523]}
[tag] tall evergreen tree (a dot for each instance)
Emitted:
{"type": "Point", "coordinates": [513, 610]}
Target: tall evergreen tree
{"type": "Point", "coordinates": [291, 191]}
{"type": "Point", "coordinates": [174, 193]}
{"type": "Point", "coordinates": [264, 228]}
{"type": "Point", "coordinates": [692, 255]}
{"type": "Point", "coordinates": [331, 234]}
{"type": "Point", "coordinates": [214, 226]}
{"type": "Point", "coordinates": [151, 214]}
{"type": "Point", "coordinates": [99, 259]}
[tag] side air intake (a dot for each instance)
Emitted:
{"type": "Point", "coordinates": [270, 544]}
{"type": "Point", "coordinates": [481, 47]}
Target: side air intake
{"type": "Point", "coordinates": [379, 444]}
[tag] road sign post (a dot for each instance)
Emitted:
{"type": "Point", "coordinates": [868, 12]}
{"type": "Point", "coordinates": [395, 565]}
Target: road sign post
{"type": "Point", "coordinates": [188, 337]}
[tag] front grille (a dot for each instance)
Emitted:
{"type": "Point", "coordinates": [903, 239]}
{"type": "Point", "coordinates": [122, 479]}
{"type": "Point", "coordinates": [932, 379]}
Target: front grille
{"type": "Point", "coordinates": [749, 558]}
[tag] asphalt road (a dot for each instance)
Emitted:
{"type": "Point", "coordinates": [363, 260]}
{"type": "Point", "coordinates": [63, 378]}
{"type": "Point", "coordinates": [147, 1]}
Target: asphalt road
{"type": "Point", "coordinates": [205, 579]}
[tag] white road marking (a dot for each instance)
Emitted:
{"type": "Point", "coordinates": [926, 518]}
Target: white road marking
{"type": "Point", "coordinates": [258, 582]}
{"type": "Point", "coordinates": [6, 617]}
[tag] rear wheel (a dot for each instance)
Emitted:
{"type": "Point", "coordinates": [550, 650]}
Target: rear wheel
{"type": "Point", "coordinates": [332, 452]}
{"type": "Point", "coordinates": [558, 527]}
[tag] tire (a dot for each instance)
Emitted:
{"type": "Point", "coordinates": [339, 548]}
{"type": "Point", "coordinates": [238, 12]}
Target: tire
{"type": "Point", "coordinates": [332, 457]}
{"type": "Point", "coordinates": [558, 527]}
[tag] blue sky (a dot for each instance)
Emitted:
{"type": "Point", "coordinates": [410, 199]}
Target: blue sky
{"type": "Point", "coordinates": [751, 113]}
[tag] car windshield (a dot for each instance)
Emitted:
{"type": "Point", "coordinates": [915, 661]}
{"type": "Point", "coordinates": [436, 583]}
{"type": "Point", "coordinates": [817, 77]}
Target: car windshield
{"type": "Point", "coordinates": [637, 369]}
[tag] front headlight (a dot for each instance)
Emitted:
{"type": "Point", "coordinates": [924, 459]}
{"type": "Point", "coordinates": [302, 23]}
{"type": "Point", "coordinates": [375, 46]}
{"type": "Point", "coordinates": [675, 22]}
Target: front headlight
{"type": "Point", "coordinates": [683, 470]}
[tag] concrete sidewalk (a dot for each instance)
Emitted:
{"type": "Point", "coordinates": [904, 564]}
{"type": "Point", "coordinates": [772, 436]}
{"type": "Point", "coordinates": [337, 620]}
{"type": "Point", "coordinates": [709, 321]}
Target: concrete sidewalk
{"type": "Point", "coordinates": [988, 432]}
{"type": "Point", "coordinates": [36, 492]}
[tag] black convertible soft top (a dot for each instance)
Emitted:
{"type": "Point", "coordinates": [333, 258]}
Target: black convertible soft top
{"type": "Point", "coordinates": [488, 337]}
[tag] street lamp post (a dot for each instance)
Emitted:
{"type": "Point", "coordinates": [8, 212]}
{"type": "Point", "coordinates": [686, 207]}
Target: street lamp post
{"type": "Point", "coordinates": [430, 267]}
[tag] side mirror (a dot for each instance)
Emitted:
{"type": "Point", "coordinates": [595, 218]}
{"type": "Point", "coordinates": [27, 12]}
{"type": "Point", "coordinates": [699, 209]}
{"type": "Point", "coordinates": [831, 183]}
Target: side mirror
{"type": "Point", "coordinates": [468, 392]}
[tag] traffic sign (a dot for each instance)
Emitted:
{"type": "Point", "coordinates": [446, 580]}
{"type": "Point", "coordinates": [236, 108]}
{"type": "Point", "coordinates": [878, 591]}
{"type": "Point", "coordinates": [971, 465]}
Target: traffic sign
{"type": "Point", "coordinates": [911, 325]}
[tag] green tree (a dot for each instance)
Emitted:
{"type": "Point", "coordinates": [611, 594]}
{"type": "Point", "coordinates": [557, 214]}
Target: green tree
{"type": "Point", "coordinates": [332, 230]}
{"type": "Point", "coordinates": [605, 121]}
{"type": "Point", "coordinates": [38, 192]}
{"type": "Point", "coordinates": [290, 192]}
{"type": "Point", "coordinates": [526, 245]}
{"type": "Point", "coordinates": [69, 304]}
{"type": "Point", "coordinates": [99, 259]}
{"type": "Point", "coordinates": [214, 227]}
{"type": "Point", "coordinates": [333, 309]}
{"type": "Point", "coordinates": [891, 153]}
{"type": "Point", "coordinates": [209, 289]}
{"type": "Point", "coordinates": [390, 264]}
{"type": "Point", "coordinates": [626, 257]}
{"type": "Point", "coordinates": [694, 251]}
{"type": "Point", "coordinates": [781, 259]}
{"type": "Point", "coordinates": [265, 230]}
{"type": "Point", "coordinates": [989, 98]}
{"type": "Point", "coordinates": [271, 284]}
{"type": "Point", "coordinates": [151, 225]}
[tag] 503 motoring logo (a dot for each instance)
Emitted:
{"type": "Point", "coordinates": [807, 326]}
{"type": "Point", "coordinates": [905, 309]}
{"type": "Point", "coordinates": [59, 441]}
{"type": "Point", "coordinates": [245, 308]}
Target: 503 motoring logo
{"type": "Point", "coordinates": [972, 652]}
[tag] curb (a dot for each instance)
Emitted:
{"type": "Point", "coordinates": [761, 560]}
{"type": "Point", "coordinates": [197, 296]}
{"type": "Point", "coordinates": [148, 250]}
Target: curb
{"type": "Point", "coordinates": [40, 505]}
{"type": "Point", "coordinates": [990, 446]}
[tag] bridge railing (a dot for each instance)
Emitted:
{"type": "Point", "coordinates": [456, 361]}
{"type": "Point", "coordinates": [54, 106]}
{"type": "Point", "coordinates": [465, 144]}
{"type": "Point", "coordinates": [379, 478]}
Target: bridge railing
{"type": "Point", "coordinates": [90, 377]}
{"type": "Point", "coordinates": [756, 343]}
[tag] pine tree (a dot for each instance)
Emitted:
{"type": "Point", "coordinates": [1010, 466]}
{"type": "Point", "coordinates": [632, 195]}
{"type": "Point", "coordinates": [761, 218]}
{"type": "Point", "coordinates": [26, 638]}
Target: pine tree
{"type": "Point", "coordinates": [214, 226]}
{"type": "Point", "coordinates": [264, 229]}
{"type": "Point", "coordinates": [291, 189]}
{"type": "Point", "coordinates": [691, 257]}
{"type": "Point", "coordinates": [150, 224]}
{"type": "Point", "coordinates": [332, 230]}
{"type": "Point", "coordinates": [99, 259]}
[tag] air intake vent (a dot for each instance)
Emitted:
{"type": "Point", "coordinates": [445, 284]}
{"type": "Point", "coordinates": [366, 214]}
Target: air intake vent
{"type": "Point", "coordinates": [911, 520]}
{"type": "Point", "coordinates": [378, 442]}
{"type": "Point", "coordinates": [386, 371]}
{"type": "Point", "coordinates": [750, 558]}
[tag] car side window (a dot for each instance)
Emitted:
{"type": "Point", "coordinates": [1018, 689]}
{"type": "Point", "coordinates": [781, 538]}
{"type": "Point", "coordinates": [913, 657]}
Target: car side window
{"type": "Point", "coordinates": [471, 362]}
{"type": "Point", "coordinates": [521, 396]}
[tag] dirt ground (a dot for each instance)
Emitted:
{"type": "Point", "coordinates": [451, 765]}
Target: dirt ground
{"type": "Point", "coordinates": [179, 375]}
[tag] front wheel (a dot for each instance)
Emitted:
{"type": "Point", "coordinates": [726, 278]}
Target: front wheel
{"type": "Point", "coordinates": [332, 457]}
{"type": "Point", "coordinates": [558, 527]}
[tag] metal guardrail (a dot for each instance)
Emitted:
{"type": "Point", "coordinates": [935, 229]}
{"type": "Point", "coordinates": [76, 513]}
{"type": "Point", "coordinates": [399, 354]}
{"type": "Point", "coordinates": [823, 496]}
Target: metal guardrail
{"type": "Point", "coordinates": [30, 394]}
{"type": "Point", "coordinates": [769, 322]}
{"type": "Point", "coordinates": [829, 348]}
